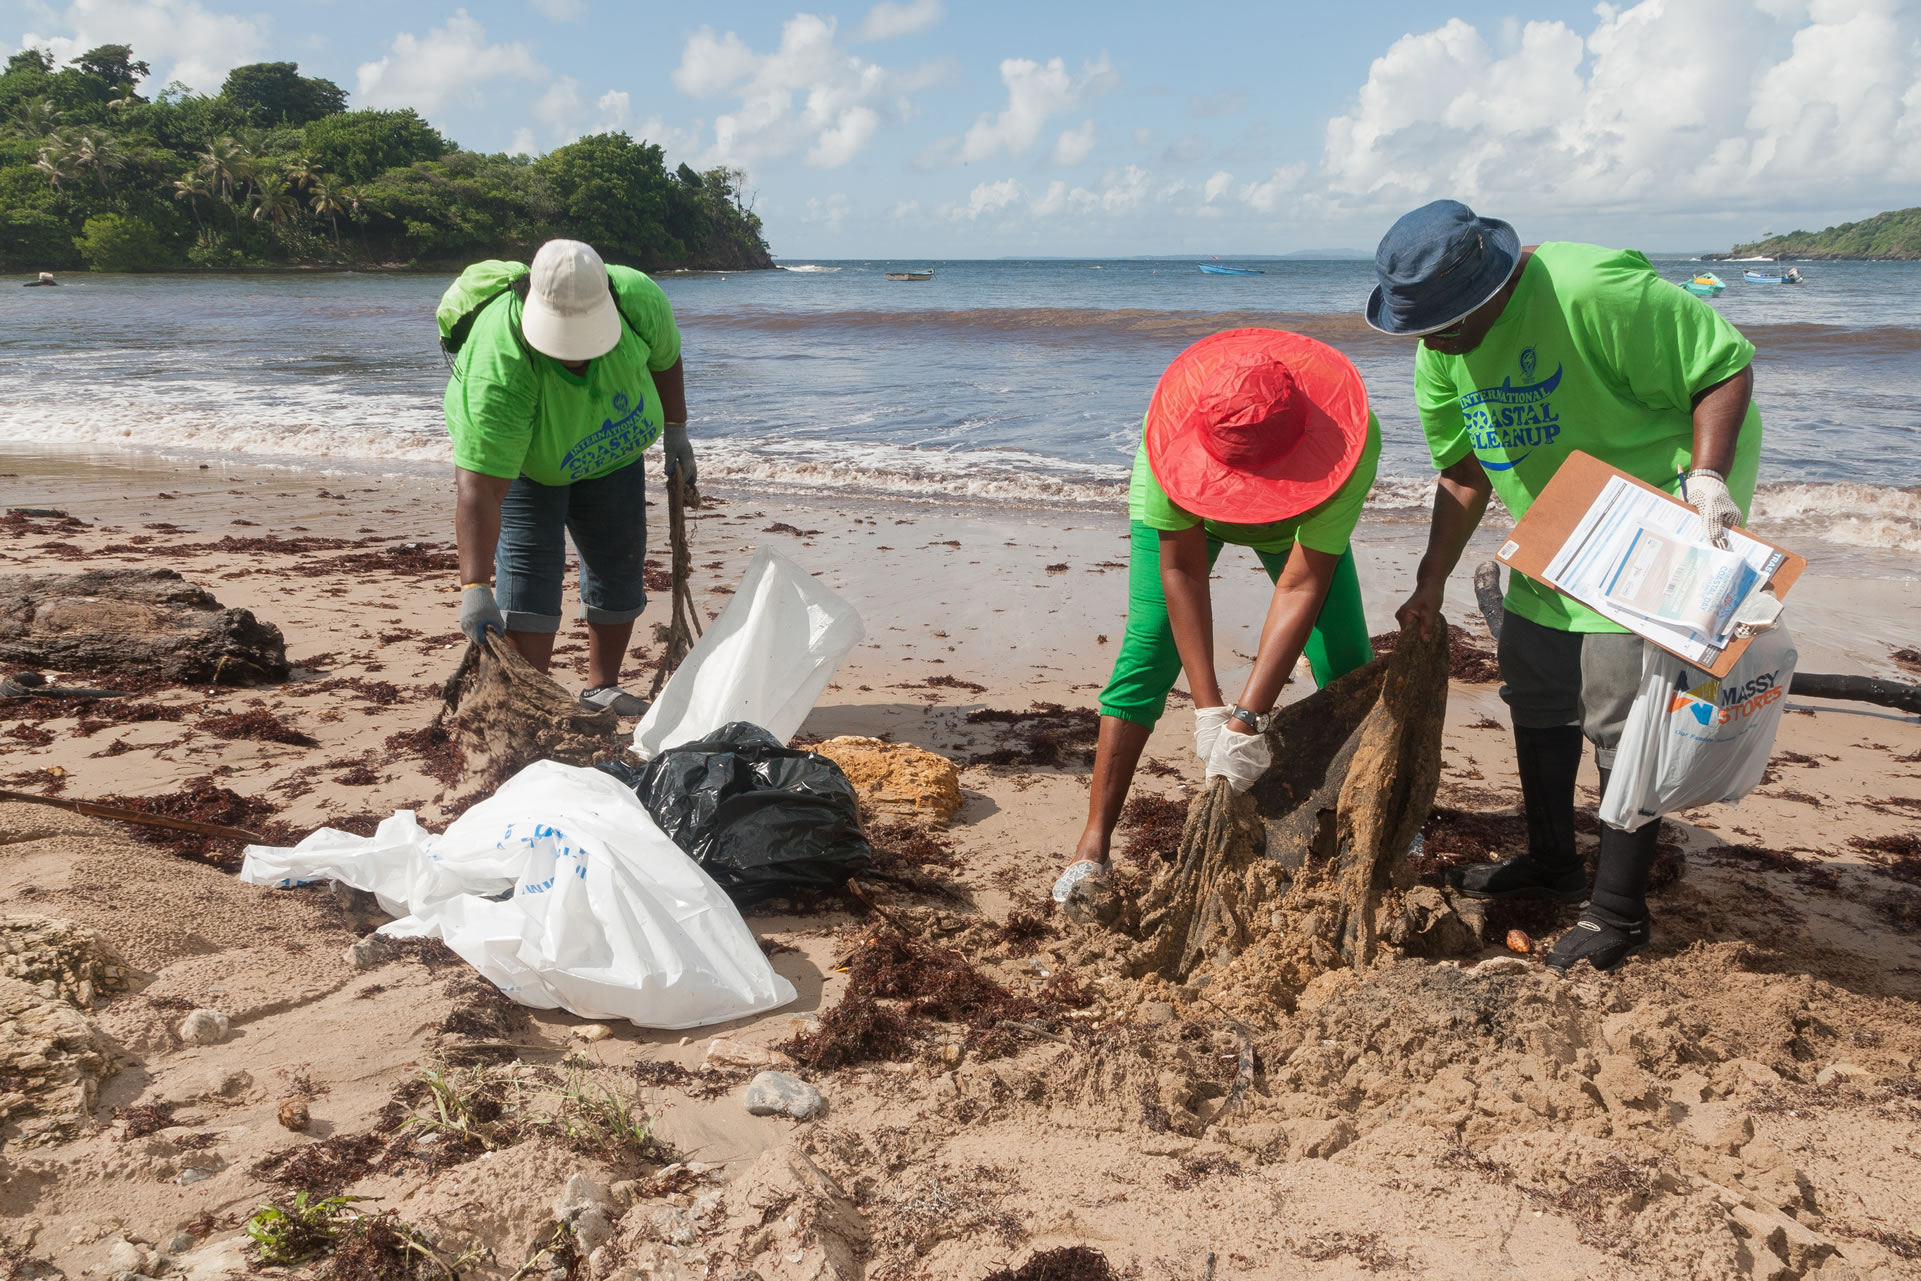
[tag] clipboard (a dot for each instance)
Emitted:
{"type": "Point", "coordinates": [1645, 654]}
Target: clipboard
{"type": "Point", "coordinates": [1559, 508]}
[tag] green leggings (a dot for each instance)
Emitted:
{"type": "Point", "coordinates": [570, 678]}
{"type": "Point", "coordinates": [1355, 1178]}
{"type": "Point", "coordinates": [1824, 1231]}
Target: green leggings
{"type": "Point", "coordinates": [1148, 664]}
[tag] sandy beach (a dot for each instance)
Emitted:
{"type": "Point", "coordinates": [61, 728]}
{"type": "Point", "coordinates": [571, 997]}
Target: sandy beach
{"type": "Point", "coordinates": [1743, 1100]}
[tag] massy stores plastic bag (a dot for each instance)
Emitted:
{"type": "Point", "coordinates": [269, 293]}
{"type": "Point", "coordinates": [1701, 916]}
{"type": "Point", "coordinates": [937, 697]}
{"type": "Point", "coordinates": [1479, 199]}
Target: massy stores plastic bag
{"type": "Point", "coordinates": [765, 660]}
{"type": "Point", "coordinates": [1694, 740]}
{"type": "Point", "coordinates": [603, 914]}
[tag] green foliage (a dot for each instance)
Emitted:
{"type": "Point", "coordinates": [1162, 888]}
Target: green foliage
{"type": "Point", "coordinates": [358, 146]}
{"type": "Point", "coordinates": [114, 242]}
{"type": "Point", "coordinates": [301, 1230]}
{"type": "Point", "coordinates": [1895, 234]}
{"type": "Point", "coordinates": [274, 170]}
{"type": "Point", "coordinates": [277, 91]}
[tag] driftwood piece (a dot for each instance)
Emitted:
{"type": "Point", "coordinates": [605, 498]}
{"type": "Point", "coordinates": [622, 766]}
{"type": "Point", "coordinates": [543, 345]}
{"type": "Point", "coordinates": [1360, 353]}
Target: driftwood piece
{"type": "Point", "coordinates": [34, 685]}
{"type": "Point", "coordinates": [94, 809]}
{"type": "Point", "coordinates": [685, 626]}
{"type": "Point", "coordinates": [144, 622]}
{"type": "Point", "coordinates": [1900, 695]}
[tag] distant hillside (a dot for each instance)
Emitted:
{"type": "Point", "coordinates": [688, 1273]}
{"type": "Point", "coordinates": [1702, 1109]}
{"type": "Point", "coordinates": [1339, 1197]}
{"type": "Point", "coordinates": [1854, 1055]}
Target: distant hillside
{"type": "Point", "coordinates": [1896, 234]}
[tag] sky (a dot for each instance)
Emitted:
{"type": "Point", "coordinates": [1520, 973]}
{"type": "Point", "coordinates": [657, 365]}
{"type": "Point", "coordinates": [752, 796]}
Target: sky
{"type": "Point", "coordinates": [951, 129]}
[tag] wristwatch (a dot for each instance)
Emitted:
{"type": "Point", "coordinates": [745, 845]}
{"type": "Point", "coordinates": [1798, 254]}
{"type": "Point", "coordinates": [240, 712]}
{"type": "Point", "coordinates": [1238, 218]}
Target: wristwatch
{"type": "Point", "coordinates": [1250, 719]}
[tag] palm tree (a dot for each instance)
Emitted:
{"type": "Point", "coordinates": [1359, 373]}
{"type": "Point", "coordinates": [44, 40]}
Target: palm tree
{"type": "Point", "coordinates": [55, 159]}
{"type": "Point", "coordinates": [274, 201]}
{"type": "Point", "coordinates": [223, 164]}
{"type": "Point", "coordinates": [303, 172]}
{"type": "Point", "coordinates": [192, 190]}
{"type": "Point", "coordinates": [32, 118]}
{"type": "Point", "coordinates": [327, 203]}
{"type": "Point", "coordinates": [96, 153]}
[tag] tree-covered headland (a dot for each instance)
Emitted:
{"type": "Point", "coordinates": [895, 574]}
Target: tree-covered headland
{"type": "Point", "coordinates": [1892, 235]}
{"type": "Point", "coordinates": [275, 170]}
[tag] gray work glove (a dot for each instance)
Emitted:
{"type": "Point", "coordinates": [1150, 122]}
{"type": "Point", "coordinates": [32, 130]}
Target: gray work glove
{"type": "Point", "coordinates": [1708, 494]}
{"type": "Point", "coordinates": [680, 453]}
{"type": "Point", "coordinates": [478, 613]}
{"type": "Point", "coordinates": [1241, 759]}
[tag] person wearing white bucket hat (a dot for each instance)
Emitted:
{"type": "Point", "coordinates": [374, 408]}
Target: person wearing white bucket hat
{"type": "Point", "coordinates": [563, 376]}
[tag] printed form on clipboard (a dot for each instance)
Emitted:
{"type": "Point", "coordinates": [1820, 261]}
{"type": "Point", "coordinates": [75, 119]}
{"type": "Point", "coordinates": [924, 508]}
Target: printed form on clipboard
{"type": "Point", "coordinates": [1635, 558]}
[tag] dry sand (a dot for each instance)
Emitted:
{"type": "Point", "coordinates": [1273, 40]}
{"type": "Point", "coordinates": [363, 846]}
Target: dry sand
{"type": "Point", "coordinates": [1743, 1100]}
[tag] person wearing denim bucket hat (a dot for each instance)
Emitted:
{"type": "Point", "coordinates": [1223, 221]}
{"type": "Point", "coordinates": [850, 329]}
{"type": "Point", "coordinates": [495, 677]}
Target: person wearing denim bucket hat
{"type": "Point", "coordinates": [563, 376]}
{"type": "Point", "coordinates": [1263, 439]}
{"type": "Point", "coordinates": [1527, 354]}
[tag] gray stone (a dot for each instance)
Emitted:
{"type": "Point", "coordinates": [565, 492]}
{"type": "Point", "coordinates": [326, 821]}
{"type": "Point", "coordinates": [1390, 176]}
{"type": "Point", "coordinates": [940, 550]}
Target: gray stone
{"type": "Point", "coordinates": [181, 1243]}
{"type": "Point", "coordinates": [1156, 1012]}
{"type": "Point", "coordinates": [589, 1209]}
{"type": "Point", "coordinates": [778, 1094]}
{"type": "Point", "coordinates": [125, 1256]}
{"type": "Point", "coordinates": [673, 1226]}
{"type": "Point", "coordinates": [366, 953]}
{"type": "Point", "coordinates": [204, 1027]}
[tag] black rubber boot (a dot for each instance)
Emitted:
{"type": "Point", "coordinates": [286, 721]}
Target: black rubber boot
{"type": "Point", "coordinates": [1621, 873]}
{"type": "Point", "coordinates": [1549, 760]}
{"type": "Point", "coordinates": [1600, 938]}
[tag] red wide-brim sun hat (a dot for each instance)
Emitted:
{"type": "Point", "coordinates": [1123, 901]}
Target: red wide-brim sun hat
{"type": "Point", "coordinates": [1250, 426]}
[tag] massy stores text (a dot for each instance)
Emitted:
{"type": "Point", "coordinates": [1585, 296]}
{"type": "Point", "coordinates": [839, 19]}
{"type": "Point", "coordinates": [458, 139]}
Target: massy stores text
{"type": "Point", "coordinates": [1711, 702]}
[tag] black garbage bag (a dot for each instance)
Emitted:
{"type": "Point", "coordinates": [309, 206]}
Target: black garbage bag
{"type": "Point", "coordinates": [762, 819]}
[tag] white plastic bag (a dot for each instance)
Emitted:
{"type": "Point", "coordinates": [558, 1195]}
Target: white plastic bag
{"type": "Point", "coordinates": [1693, 740]}
{"type": "Point", "coordinates": [766, 659]}
{"type": "Point", "coordinates": [606, 917]}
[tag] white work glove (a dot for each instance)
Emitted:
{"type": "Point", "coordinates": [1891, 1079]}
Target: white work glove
{"type": "Point", "coordinates": [1241, 759]}
{"type": "Point", "coordinates": [479, 613]}
{"type": "Point", "coordinates": [1207, 727]}
{"type": "Point", "coordinates": [1708, 494]}
{"type": "Point", "coordinates": [680, 454]}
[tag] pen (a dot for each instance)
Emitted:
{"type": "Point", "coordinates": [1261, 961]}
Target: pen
{"type": "Point", "coordinates": [1680, 474]}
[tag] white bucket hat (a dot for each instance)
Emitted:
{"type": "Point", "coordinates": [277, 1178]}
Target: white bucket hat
{"type": "Point", "coordinates": [569, 313]}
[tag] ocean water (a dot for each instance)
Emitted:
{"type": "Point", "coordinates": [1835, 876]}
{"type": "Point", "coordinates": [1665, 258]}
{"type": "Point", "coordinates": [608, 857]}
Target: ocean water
{"type": "Point", "coordinates": [996, 382]}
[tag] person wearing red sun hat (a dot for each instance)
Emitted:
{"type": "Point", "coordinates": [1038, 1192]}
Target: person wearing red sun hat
{"type": "Point", "coordinates": [1263, 439]}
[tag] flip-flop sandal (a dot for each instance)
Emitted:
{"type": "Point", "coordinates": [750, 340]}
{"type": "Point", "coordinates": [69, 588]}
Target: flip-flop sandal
{"type": "Point", "coordinates": [1075, 874]}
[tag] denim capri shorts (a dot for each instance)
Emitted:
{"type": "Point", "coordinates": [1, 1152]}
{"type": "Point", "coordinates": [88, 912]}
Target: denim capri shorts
{"type": "Point", "coordinates": [607, 519]}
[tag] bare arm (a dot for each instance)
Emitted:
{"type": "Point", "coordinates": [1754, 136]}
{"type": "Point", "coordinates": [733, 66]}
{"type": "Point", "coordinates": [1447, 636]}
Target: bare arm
{"type": "Point", "coordinates": [1719, 411]}
{"type": "Point", "coordinates": [1190, 609]}
{"type": "Point", "coordinates": [670, 384]}
{"type": "Point", "coordinates": [477, 499]}
{"type": "Point", "coordinates": [1298, 595]}
{"type": "Point", "coordinates": [1460, 499]}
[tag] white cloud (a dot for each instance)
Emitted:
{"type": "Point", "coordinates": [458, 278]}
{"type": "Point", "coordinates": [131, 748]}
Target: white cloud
{"type": "Point", "coordinates": [1266, 196]}
{"type": "Point", "coordinates": [1217, 186]}
{"type": "Point", "coordinates": [833, 211]}
{"type": "Point", "coordinates": [886, 20]}
{"type": "Point", "coordinates": [1035, 91]}
{"type": "Point", "coordinates": [809, 93]}
{"type": "Point", "coordinates": [1821, 99]}
{"type": "Point", "coordinates": [523, 144]}
{"type": "Point", "coordinates": [182, 40]}
{"type": "Point", "coordinates": [561, 10]}
{"type": "Point", "coordinates": [559, 105]}
{"type": "Point", "coordinates": [449, 64]}
{"type": "Point", "coordinates": [988, 197]}
{"type": "Point", "coordinates": [614, 107]}
{"type": "Point", "coordinates": [906, 208]}
{"type": "Point", "coordinates": [1073, 145]}
{"type": "Point", "coordinates": [1121, 191]}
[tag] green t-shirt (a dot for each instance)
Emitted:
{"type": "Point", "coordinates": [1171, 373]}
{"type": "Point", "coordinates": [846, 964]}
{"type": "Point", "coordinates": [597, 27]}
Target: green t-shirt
{"type": "Point", "coordinates": [1594, 352]}
{"type": "Point", "coordinates": [514, 412]}
{"type": "Point", "coordinates": [1325, 528]}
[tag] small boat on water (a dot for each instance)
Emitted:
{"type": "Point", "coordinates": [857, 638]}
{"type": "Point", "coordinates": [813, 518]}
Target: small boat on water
{"type": "Point", "coordinates": [1215, 269]}
{"type": "Point", "coordinates": [910, 275]}
{"type": "Point", "coordinates": [1705, 285]}
{"type": "Point", "coordinates": [1791, 277]}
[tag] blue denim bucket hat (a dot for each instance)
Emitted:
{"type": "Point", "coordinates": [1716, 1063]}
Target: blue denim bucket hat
{"type": "Point", "coordinates": [1436, 265]}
